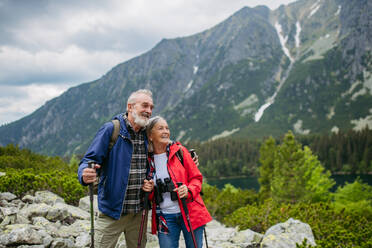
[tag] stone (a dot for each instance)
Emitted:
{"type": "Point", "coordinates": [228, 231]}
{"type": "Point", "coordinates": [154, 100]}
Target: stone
{"type": "Point", "coordinates": [47, 198]}
{"type": "Point", "coordinates": [84, 204]}
{"type": "Point", "coordinates": [25, 235]}
{"type": "Point", "coordinates": [83, 240]}
{"type": "Point", "coordinates": [8, 211]}
{"type": "Point", "coordinates": [246, 237]}
{"type": "Point", "coordinates": [50, 222]}
{"type": "Point", "coordinates": [40, 209]}
{"type": "Point", "coordinates": [28, 199]}
{"type": "Point", "coordinates": [287, 234]}
{"type": "Point", "coordinates": [7, 196]}
{"type": "Point", "coordinates": [62, 243]}
{"type": "Point", "coordinates": [57, 212]}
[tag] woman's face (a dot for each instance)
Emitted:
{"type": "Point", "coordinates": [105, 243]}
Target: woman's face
{"type": "Point", "coordinates": [160, 133]}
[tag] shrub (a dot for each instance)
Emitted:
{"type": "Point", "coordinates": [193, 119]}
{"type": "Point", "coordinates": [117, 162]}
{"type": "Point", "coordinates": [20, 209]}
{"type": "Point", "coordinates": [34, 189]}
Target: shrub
{"type": "Point", "coordinates": [331, 228]}
{"type": "Point", "coordinates": [226, 201]}
{"type": "Point", "coordinates": [354, 197]}
{"type": "Point", "coordinates": [13, 157]}
{"type": "Point", "coordinates": [21, 182]}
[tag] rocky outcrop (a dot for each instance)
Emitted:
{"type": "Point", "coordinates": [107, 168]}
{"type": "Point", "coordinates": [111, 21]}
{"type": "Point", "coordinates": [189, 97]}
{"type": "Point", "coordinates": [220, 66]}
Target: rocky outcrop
{"type": "Point", "coordinates": [45, 220]}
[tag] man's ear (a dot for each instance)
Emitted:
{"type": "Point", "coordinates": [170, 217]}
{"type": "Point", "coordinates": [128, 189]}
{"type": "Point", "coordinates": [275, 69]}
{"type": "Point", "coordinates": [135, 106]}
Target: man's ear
{"type": "Point", "coordinates": [130, 107]}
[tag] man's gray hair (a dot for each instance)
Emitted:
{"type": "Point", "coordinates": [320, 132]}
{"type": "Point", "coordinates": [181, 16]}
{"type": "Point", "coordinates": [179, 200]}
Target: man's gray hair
{"type": "Point", "coordinates": [133, 97]}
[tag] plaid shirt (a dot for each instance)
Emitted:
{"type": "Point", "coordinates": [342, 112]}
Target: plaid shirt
{"type": "Point", "coordinates": [133, 201]}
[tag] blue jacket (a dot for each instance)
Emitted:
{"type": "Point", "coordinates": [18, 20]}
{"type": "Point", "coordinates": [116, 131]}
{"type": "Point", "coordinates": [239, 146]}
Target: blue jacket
{"type": "Point", "coordinates": [115, 165]}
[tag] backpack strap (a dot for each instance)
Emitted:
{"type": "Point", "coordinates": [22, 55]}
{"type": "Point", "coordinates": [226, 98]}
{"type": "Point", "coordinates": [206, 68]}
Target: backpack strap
{"type": "Point", "coordinates": [115, 133]}
{"type": "Point", "coordinates": [179, 154]}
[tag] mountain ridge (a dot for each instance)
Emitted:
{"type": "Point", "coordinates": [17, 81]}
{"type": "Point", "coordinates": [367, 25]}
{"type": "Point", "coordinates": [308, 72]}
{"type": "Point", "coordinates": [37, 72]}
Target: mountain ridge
{"type": "Point", "coordinates": [305, 66]}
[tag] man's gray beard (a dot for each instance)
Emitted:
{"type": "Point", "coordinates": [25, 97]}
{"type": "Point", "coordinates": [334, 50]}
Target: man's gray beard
{"type": "Point", "coordinates": [139, 120]}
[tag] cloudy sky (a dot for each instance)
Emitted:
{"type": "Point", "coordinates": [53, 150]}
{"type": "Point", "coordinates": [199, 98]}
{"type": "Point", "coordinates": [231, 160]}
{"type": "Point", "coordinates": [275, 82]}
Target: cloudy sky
{"type": "Point", "coordinates": [47, 46]}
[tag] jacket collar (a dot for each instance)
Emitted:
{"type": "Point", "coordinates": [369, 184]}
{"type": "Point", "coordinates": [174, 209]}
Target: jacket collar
{"type": "Point", "coordinates": [173, 148]}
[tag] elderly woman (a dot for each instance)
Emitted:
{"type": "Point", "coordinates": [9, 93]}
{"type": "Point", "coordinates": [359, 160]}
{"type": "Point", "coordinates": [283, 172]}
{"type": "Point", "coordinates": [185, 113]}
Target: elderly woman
{"type": "Point", "coordinates": [168, 216]}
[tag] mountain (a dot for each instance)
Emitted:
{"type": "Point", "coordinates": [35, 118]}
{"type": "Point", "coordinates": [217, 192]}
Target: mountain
{"type": "Point", "coordinates": [306, 67]}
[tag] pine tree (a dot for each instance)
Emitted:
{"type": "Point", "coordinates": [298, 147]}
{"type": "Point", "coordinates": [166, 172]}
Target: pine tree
{"type": "Point", "coordinates": [298, 176]}
{"type": "Point", "coordinates": [267, 155]}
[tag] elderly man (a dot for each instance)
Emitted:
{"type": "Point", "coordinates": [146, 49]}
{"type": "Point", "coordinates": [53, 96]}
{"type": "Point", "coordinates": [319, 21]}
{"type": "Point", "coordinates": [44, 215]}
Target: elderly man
{"type": "Point", "coordinates": [122, 171]}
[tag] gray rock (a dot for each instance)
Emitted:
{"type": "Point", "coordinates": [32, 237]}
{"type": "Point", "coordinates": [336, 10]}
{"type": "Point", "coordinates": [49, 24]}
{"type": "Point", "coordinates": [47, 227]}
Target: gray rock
{"type": "Point", "coordinates": [40, 209]}
{"type": "Point", "coordinates": [58, 212]}
{"type": "Point", "coordinates": [61, 225]}
{"type": "Point", "coordinates": [8, 220]}
{"type": "Point", "coordinates": [78, 227]}
{"type": "Point", "coordinates": [40, 222]}
{"type": "Point", "coordinates": [75, 212]}
{"type": "Point", "coordinates": [287, 234]}
{"type": "Point", "coordinates": [84, 203]}
{"type": "Point", "coordinates": [7, 196]}
{"type": "Point", "coordinates": [246, 237]}
{"type": "Point", "coordinates": [47, 238]}
{"type": "Point", "coordinates": [25, 235]}
{"type": "Point", "coordinates": [62, 243]}
{"type": "Point", "coordinates": [29, 246]}
{"type": "Point", "coordinates": [83, 240]}
{"type": "Point", "coordinates": [8, 211]}
{"type": "Point", "coordinates": [47, 198]}
{"type": "Point", "coordinates": [28, 199]}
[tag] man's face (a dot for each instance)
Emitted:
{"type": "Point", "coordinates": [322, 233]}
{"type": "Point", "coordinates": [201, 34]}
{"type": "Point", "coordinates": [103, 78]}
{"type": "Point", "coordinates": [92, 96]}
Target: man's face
{"type": "Point", "coordinates": [141, 110]}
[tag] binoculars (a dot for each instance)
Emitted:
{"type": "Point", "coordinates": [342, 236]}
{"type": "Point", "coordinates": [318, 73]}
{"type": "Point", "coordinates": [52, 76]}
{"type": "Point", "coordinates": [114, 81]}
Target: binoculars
{"type": "Point", "coordinates": [163, 187]}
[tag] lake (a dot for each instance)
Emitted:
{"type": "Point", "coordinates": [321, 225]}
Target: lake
{"type": "Point", "coordinates": [252, 182]}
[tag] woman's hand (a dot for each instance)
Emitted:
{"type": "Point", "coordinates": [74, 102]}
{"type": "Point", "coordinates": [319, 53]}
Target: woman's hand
{"type": "Point", "coordinates": [183, 191]}
{"type": "Point", "coordinates": [148, 185]}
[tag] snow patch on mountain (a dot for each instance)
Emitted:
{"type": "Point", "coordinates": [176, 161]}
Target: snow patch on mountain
{"type": "Point", "coordinates": [224, 134]}
{"type": "Point", "coordinates": [297, 127]}
{"type": "Point", "coordinates": [314, 8]}
{"type": "Point", "coordinates": [361, 123]}
{"type": "Point", "coordinates": [283, 40]}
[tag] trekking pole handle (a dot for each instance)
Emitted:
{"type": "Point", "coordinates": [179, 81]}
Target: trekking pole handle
{"type": "Point", "coordinates": [183, 200]}
{"type": "Point", "coordinates": [91, 163]}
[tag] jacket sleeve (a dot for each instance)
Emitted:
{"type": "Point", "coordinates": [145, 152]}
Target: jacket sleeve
{"type": "Point", "coordinates": [194, 176]}
{"type": "Point", "coordinates": [97, 150]}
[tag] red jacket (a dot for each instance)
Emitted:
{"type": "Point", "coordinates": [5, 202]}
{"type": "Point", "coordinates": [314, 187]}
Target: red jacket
{"type": "Point", "coordinates": [188, 174]}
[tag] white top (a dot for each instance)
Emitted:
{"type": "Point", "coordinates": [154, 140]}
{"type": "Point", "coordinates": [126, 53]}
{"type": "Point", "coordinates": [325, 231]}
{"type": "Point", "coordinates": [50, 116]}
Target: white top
{"type": "Point", "coordinates": [167, 206]}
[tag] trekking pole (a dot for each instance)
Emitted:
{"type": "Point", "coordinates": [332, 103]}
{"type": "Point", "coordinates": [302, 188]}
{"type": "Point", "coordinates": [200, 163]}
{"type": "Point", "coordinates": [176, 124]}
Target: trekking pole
{"type": "Point", "coordinates": [144, 218]}
{"type": "Point", "coordinates": [91, 165]}
{"type": "Point", "coordinates": [193, 154]}
{"type": "Point", "coordinates": [205, 236]}
{"type": "Point", "coordinates": [183, 200]}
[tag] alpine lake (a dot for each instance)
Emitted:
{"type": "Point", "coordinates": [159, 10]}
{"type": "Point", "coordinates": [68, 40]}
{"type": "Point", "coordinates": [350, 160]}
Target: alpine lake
{"type": "Point", "coordinates": [252, 182]}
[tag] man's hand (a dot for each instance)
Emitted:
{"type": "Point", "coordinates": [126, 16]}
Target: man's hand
{"type": "Point", "coordinates": [183, 191]}
{"type": "Point", "coordinates": [148, 185]}
{"type": "Point", "coordinates": [90, 174]}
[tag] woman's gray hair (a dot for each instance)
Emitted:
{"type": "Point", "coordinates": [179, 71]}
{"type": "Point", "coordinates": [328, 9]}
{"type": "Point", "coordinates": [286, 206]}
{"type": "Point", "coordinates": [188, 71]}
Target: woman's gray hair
{"type": "Point", "coordinates": [149, 127]}
{"type": "Point", "coordinates": [133, 97]}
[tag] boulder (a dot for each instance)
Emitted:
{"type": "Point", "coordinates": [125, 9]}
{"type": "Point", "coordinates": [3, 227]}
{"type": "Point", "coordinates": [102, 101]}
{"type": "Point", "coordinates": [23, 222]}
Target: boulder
{"type": "Point", "coordinates": [7, 196]}
{"type": "Point", "coordinates": [287, 235]}
{"type": "Point", "coordinates": [84, 203]}
{"type": "Point", "coordinates": [25, 235]}
{"type": "Point", "coordinates": [246, 237]}
{"type": "Point", "coordinates": [45, 220]}
{"type": "Point", "coordinates": [47, 198]}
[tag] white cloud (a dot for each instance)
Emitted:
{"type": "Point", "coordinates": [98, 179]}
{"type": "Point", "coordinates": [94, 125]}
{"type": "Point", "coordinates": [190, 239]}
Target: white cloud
{"type": "Point", "coordinates": [48, 46]}
{"type": "Point", "coordinates": [23, 100]}
{"type": "Point", "coordinates": [72, 64]}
